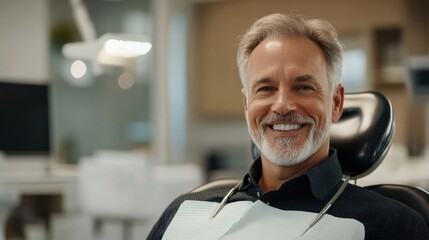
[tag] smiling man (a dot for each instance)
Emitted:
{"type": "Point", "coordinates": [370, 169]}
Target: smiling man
{"type": "Point", "coordinates": [290, 69]}
{"type": "Point", "coordinates": [289, 106]}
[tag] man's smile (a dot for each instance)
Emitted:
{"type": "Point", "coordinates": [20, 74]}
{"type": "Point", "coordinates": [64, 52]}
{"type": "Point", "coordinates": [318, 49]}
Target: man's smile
{"type": "Point", "coordinates": [286, 127]}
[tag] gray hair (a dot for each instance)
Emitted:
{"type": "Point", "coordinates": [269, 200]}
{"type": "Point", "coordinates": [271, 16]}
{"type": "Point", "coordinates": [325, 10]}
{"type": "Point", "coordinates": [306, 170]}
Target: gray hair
{"type": "Point", "coordinates": [279, 24]}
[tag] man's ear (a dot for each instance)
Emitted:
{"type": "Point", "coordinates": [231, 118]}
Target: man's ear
{"type": "Point", "coordinates": [338, 100]}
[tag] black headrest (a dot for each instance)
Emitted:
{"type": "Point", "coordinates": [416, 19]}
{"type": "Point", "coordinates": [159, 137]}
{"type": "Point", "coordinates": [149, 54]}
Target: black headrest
{"type": "Point", "coordinates": [363, 134]}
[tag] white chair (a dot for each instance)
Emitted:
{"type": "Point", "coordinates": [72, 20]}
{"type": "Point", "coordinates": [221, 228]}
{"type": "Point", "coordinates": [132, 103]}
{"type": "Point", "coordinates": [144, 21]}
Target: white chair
{"type": "Point", "coordinates": [122, 186]}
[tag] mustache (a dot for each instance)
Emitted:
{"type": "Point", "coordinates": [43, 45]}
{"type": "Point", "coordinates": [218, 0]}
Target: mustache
{"type": "Point", "coordinates": [290, 117]}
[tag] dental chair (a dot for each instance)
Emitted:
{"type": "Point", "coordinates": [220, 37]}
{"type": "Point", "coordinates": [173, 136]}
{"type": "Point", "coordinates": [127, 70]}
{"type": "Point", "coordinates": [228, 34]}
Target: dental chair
{"type": "Point", "coordinates": [362, 138]}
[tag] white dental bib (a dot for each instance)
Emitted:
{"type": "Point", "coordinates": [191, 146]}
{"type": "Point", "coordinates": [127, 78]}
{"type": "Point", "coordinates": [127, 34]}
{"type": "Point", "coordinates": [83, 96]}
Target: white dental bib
{"type": "Point", "coordinates": [256, 220]}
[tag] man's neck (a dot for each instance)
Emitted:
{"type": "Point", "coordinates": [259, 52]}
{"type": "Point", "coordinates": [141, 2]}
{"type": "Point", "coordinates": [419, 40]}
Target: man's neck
{"type": "Point", "coordinates": [273, 175]}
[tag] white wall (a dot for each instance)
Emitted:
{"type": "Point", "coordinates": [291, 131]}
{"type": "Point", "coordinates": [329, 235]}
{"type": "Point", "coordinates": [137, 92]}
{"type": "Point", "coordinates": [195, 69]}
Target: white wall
{"type": "Point", "coordinates": [24, 41]}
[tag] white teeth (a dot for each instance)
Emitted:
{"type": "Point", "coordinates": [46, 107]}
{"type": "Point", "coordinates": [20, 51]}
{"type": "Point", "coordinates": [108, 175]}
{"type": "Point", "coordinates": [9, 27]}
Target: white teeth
{"type": "Point", "coordinates": [286, 127]}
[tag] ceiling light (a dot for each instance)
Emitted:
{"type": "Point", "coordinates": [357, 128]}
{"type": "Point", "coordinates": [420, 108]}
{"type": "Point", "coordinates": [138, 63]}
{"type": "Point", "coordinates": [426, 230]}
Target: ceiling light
{"type": "Point", "coordinates": [78, 69]}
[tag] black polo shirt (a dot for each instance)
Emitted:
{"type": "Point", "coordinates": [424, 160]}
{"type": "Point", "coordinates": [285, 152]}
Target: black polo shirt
{"type": "Point", "coordinates": [381, 217]}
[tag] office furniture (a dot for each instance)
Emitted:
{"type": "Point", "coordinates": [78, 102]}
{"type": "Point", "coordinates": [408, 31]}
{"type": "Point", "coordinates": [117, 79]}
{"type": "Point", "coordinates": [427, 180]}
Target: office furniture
{"type": "Point", "coordinates": [124, 187]}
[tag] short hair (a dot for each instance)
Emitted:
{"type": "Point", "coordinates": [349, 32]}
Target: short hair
{"type": "Point", "coordinates": [319, 31]}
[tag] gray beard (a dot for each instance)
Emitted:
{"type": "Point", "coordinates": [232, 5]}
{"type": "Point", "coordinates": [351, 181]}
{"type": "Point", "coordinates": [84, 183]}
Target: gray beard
{"type": "Point", "coordinates": [284, 151]}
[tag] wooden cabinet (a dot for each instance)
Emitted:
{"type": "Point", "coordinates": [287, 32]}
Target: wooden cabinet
{"type": "Point", "coordinates": [389, 58]}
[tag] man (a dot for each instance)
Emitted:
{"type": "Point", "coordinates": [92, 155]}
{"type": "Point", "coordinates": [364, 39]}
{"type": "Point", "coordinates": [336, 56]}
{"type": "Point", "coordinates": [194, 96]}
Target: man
{"type": "Point", "coordinates": [290, 70]}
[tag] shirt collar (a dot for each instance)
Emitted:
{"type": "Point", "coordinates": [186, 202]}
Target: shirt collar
{"type": "Point", "coordinates": [322, 178]}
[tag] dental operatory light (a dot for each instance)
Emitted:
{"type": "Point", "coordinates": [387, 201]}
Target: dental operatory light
{"type": "Point", "coordinates": [126, 48]}
{"type": "Point", "coordinates": [110, 49]}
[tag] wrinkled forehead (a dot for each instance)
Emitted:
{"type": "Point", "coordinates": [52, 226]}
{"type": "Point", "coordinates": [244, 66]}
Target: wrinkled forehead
{"type": "Point", "coordinates": [287, 55]}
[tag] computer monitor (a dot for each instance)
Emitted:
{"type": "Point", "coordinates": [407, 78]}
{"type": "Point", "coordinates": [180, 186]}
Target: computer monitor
{"type": "Point", "coordinates": [419, 76]}
{"type": "Point", "coordinates": [418, 68]}
{"type": "Point", "coordinates": [24, 119]}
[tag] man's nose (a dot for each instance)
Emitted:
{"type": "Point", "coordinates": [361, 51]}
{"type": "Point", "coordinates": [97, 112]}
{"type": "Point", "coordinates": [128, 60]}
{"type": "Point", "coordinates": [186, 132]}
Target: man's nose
{"type": "Point", "coordinates": [284, 103]}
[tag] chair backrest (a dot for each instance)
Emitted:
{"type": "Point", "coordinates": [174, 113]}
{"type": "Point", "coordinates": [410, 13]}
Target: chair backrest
{"type": "Point", "coordinates": [414, 197]}
{"type": "Point", "coordinates": [364, 133]}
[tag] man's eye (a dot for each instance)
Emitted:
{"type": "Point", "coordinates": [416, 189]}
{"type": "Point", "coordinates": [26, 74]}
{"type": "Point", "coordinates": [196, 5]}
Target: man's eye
{"type": "Point", "coordinates": [265, 89]}
{"type": "Point", "coordinates": [305, 88]}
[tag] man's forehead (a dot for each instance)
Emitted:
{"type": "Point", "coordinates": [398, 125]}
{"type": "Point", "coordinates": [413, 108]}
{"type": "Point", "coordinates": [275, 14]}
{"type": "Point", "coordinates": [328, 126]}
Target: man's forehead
{"type": "Point", "coordinates": [282, 52]}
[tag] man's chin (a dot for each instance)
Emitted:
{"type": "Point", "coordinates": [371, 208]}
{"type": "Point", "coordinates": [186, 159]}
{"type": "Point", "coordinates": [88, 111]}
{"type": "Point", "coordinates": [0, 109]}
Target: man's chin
{"type": "Point", "coordinates": [286, 155]}
{"type": "Point", "coordinates": [286, 162]}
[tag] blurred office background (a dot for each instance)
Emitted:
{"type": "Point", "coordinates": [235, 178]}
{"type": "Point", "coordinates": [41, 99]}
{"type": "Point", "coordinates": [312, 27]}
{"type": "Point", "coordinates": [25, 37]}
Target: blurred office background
{"type": "Point", "coordinates": [115, 139]}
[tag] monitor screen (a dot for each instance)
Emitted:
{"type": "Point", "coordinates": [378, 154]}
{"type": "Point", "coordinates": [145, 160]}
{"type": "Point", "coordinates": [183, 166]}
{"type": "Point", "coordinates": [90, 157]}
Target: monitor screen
{"type": "Point", "coordinates": [24, 119]}
{"type": "Point", "coordinates": [419, 76]}
{"type": "Point", "coordinates": [420, 82]}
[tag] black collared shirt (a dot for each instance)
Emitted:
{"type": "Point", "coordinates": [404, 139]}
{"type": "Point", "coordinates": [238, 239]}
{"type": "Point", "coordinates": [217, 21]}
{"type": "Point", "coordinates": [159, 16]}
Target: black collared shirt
{"type": "Point", "coordinates": [383, 218]}
{"type": "Point", "coordinates": [321, 180]}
